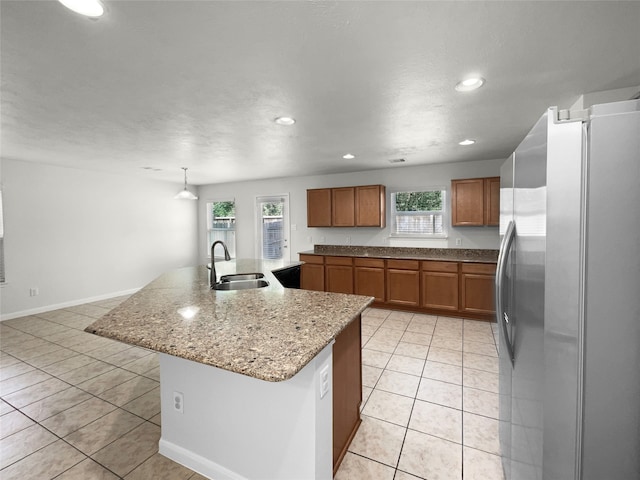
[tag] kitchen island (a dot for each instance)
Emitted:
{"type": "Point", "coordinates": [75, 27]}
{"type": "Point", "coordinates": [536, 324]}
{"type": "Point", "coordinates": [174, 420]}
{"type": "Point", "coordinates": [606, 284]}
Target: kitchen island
{"type": "Point", "coordinates": [259, 383]}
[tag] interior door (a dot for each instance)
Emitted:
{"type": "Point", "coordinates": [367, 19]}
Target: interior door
{"type": "Point", "coordinates": [272, 227]}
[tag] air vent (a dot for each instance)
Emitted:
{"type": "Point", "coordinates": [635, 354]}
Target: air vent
{"type": "Point", "coordinates": [396, 160]}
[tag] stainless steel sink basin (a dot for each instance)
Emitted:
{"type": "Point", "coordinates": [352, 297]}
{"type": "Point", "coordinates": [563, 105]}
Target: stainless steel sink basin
{"type": "Point", "coordinates": [241, 284]}
{"type": "Point", "coordinates": [241, 276]}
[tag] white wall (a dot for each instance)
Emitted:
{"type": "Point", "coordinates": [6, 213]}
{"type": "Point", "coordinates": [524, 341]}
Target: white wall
{"type": "Point", "coordinates": [244, 194]}
{"type": "Point", "coordinates": [79, 235]}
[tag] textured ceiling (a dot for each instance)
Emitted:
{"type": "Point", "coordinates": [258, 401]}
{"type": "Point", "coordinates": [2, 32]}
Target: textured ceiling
{"type": "Point", "coordinates": [166, 84]}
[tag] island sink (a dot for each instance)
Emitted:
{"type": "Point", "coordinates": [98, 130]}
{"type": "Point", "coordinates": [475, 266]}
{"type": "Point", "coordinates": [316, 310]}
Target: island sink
{"type": "Point", "coordinates": [240, 284]}
{"type": "Point", "coordinates": [241, 276]}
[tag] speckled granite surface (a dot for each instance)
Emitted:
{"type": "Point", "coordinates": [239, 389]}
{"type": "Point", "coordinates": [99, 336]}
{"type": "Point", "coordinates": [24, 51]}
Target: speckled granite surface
{"type": "Point", "coordinates": [448, 254]}
{"type": "Point", "coordinates": [267, 333]}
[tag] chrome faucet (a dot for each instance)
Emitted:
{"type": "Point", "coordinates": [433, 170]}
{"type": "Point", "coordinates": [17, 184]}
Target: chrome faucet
{"type": "Point", "coordinates": [214, 279]}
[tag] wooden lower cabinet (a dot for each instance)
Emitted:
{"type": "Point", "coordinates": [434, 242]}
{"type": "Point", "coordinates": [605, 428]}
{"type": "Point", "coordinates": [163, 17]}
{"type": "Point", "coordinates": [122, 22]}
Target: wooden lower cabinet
{"type": "Point", "coordinates": [369, 278]}
{"type": "Point", "coordinates": [338, 274]}
{"type": "Point", "coordinates": [403, 283]}
{"type": "Point", "coordinates": [312, 272]}
{"type": "Point", "coordinates": [477, 288]}
{"type": "Point", "coordinates": [440, 290]}
{"type": "Point", "coordinates": [347, 389]}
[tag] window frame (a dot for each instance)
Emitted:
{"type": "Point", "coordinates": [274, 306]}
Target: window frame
{"type": "Point", "coordinates": [444, 212]}
{"type": "Point", "coordinates": [209, 218]}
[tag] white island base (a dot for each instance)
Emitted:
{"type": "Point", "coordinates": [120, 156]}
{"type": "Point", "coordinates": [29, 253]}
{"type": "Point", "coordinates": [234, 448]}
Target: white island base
{"type": "Point", "coordinates": [235, 427]}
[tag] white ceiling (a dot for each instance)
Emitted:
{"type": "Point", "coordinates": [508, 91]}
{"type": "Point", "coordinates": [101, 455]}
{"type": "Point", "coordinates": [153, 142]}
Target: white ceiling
{"type": "Point", "coordinates": [167, 84]}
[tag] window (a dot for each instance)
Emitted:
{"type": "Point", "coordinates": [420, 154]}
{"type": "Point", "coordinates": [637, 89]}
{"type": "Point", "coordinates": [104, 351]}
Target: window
{"type": "Point", "coordinates": [221, 225]}
{"type": "Point", "coordinates": [419, 213]}
{"type": "Point", "coordinates": [272, 225]}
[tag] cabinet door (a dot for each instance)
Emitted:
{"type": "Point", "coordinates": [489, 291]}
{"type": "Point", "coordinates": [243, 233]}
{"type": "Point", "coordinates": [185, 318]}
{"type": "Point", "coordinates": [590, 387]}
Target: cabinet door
{"type": "Point", "coordinates": [343, 207]}
{"type": "Point", "coordinates": [403, 287]}
{"type": "Point", "coordinates": [369, 281]}
{"type": "Point", "coordinates": [467, 202]}
{"type": "Point", "coordinates": [370, 206]}
{"type": "Point", "coordinates": [492, 201]}
{"type": "Point", "coordinates": [312, 277]}
{"type": "Point", "coordinates": [440, 290]}
{"type": "Point", "coordinates": [477, 293]}
{"type": "Point", "coordinates": [339, 278]}
{"type": "Point", "coordinates": [319, 207]}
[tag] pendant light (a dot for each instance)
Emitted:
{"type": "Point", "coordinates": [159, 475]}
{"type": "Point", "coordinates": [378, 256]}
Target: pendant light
{"type": "Point", "coordinates": [185, 194]}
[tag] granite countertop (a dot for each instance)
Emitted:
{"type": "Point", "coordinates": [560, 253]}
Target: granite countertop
{"type": "Point", "coordinates": [442, 254]}
{"type": "Point", "coordinates": [267, 333]}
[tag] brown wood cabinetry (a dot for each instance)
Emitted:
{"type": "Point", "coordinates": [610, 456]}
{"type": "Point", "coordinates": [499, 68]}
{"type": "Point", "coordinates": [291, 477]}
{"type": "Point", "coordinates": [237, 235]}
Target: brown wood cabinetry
{"type": "Point", "coordinates": [362, 206]}
{"type": "Point", "coordinates": [370, 206]}
{"type": "Point", "coordinates": [338, 274]}
{"type": "Point", "coordinates": [477, 287]}
{"type": "Point", "coordinates": [319, 207]}
{"type": "Point", "coordinates": [475, 201]}
{"type": "Point", "coordinates": [369, 277]}
{"type": "Point", "coordinates": [403, 282]}
{"type": "Point", "coordinates": [312, 272]}
{"type": "Point", "coordinates": [440, 285]}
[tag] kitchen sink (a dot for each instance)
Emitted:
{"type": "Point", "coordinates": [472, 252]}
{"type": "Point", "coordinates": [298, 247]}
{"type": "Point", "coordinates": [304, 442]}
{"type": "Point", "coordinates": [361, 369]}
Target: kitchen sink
{"type": "Point", "coordinates": [241, 276]}
{"type": "Point", "coordinates": [241, 284]}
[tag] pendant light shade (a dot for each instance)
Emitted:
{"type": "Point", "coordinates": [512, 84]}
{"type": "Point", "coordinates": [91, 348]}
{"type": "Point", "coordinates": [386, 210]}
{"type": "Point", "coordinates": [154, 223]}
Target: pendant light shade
{"type": "Point", "coordinates": [185, 194]}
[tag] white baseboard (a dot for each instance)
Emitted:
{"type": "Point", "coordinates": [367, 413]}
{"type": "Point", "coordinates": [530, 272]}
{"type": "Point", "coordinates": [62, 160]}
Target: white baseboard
{"type": "Point", "coordinates": [196, 462]}
{"type": "Point", "coordinates": [72, 303]}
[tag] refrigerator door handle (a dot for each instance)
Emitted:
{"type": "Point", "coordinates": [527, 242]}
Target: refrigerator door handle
{"type": "Point", "coordinates": [501, 316]}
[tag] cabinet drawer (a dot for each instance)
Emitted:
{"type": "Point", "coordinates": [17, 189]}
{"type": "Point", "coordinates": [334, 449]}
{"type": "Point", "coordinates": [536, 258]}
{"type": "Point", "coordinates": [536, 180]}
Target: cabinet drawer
{"type": "Point", "coordinates": [481, 268]}
{"type": "Point", "coordinates": [312, 259]}
{"type": "Point", "coordinates": [431, 266]}
{"type": "Point", "coordinates": [369, 262]}
{"type": "Point", "coordinates": [403, 264]}
{"type": "Point", "coordinates": [338, 261]}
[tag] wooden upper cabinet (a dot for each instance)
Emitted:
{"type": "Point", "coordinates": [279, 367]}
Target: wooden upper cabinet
{"type": "Point", "coordinates": [370, 206]}
{"type": "Point", "coordinates": [475, 201]}
{"type": "Point", "coordinates": [343, 207]}
{"type": "Point", "coordinates": [319, 207]}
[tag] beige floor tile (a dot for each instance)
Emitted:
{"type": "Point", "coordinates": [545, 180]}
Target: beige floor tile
{"type": "Point", "coordinates": [23, 443]}
{"type": "Point", "coordinates": [87, 470]}
{"type": "Point", "coordinates": [378, 440]}
{"type": "Point", "coordinates": [364, 339]}
{"type": "Point", "coordinates": [159, 467]}
{"type": "Point", "coordinates": [366, 393]}
{"type": "Point", "coordinates": [56, 403]}
{"type": "Point", "coordinates": [53, 357]}
{"type": "Point", "coordinates": [396, 323]}
{"type": "Point", "coordinates": [139, 444]}
{"type": "Point", "coordinates": [129, 390]}
{"type": "Point", "coordinates": [372, 320]}
{"type": "Point", "coordinates": [64, 335]}
{"type": "Point", "coordinates": [25, 380]}
{"type": "Point", "coordinates": [442, 393]}
{"type": "Point", "coordinates": [480, 348]}
{"type": "Point", "coordinates": [412, 350]}
{"type": "Point", "coordinates": [37, 392]}
{"type": "Point", "coordinates": [443, 372]}
{"type": "Point", "coordinates": [437, 420]}
{"type": "Point", "coordinates": [63, 423]}
{"type": "Point", "coordinates": [34, 354]}
{"type": "Point", "coordinates": [6, 359]}
{"type": "Point", "coordinates": [444, 355]}
{"type": "Point", "coordinates": [145, 406]}
{"type": "Point", "coordinates": [388, 346]}
{"type": "Point", "coordinates": [479, 465]}
{"type": "Point", "coordinates": [389, 407]}
{"type": "Point", "coordinates": [415, 337]}
{"type": "Point", "coordinates": [368, 330]}
{"type": "Point", "coordinates": [480, 432]}
{"type": "Point", "coordinates": [400, 383]}
{"type": "Point", "coordinates": [410, 365]}
{"type": "Point", "coordinates": [82, 374]}
{"type": "Point", "coordinates": [481, 337]}
{"type": "Point", "coordinates": [420, 326]}
{"type": "Point", "coordinates": [68, 364]}
{"type": "Point", "coordinates": [377, 312]}
{"type": "Point", "coordinates": [25, 343]}
{"type": "Point", "coordinates": [71, 341]}
{"type": "Point", "coordinates": [106, 381]}
{"type": "Point", "coordinates": [430, 457]}
{"type": "Point", "coordinates": [14, 370]}
{"type": "Point", "coordinates": [127, 356]}
{"type": "Point", "coordinates": [89, 309]}
{"type": "Point", "coordinates": [45, 463]}
{"type": "Point", "coordinates": [480, 402]}
{"type": "Point", "coordinates": [109, 350]}
{"type": "Point", "coordinates": [355, 467]}
{"type": "Point", "coordinates": [101, 432]}
{"type": "Point", "coordinates": [450, 343]}
{"type": "Point", "coordinates": [400, 475]}
{"type": "Point", "coordinates": [370, 375]}
{"type": "Point", "coordinates": [153, 374]}
{"type": "Point", "coordinates": [480, 362]}
{"type": "Point", "coordinates": [374, 358]}
{"type": "Point", "coordinates": [91, 345]}
{"type": "Point", "coordinates": [388, 334]}
{"type": "Point", "coordinates": [157, 419]}
{"type": "Point", "coordinates": [481, 380]}
{"type": "Point", "coordinates": [14, 422]}
{"type": "Point", "coordinates": [5, 408]}
{"type": "Point", "coordinates": [477, 325]}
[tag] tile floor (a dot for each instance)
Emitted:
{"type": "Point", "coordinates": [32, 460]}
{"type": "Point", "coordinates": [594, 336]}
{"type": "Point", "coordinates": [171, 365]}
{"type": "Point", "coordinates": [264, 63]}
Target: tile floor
{"type": "Point", "coordinates": [77, 406]}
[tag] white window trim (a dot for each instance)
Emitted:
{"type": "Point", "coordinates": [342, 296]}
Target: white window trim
{"type": "Point", "coordinates": [445, 213]}
{"type": "Point", "coordinates": [208, 220]}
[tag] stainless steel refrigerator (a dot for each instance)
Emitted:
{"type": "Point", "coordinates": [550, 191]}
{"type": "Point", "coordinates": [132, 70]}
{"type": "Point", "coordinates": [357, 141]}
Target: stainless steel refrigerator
{"type": "Point", "coordinates": [568, 298]}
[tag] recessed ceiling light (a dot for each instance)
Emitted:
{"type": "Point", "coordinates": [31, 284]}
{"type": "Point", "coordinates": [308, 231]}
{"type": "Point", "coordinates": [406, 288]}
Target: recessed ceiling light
{"type": "Point", "coordinates": [467, 141]}
{"type": "Point", "coordinates": [471, 83]}
{"type": "Point", "coordinates": [348, 156]}
{"type": "Point", "coordinates": [286, 121]}
{"type": "Point", "coordinates": [88, 8]}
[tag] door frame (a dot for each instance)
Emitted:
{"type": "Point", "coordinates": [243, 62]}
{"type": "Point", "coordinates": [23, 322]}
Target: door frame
{"type": "Point", "coordinates": [286, 224]}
